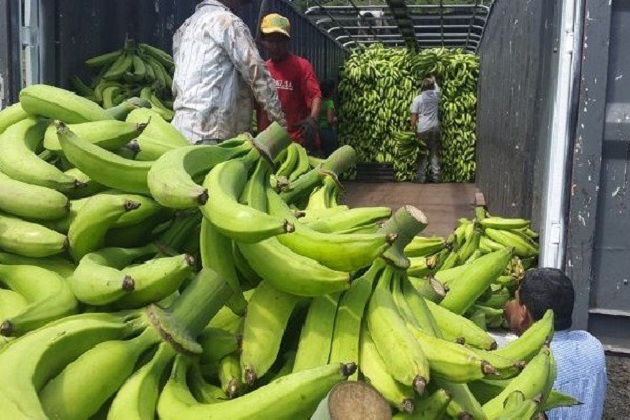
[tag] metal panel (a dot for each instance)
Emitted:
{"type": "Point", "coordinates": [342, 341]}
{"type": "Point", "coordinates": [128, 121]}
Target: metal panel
{"type": "Point", "coordinates": [610, 294]}
{"type": "Point", "coordinates": [583, 205]}
{"type": "Point", "coordinates": [10, 78]}
{"type": "Point", "coordinates": [516, 53]}
{"type": "Point", "coordinates": [76, 30]}
{"type": "Point", "coordinates": [108, 24]}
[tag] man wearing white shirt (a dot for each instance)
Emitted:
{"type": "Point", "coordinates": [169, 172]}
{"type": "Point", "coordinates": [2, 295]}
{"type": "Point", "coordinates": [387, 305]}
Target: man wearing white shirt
{"type": "Point", "coordinates": [218, 70]}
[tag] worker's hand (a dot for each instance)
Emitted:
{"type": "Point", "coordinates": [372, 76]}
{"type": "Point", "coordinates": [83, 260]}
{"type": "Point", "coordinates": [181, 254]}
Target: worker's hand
{"type": "Point", "coordinates": [309, 128]}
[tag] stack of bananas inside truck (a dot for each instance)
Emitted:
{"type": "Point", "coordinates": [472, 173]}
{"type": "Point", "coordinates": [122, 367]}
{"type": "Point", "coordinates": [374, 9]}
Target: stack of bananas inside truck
{"type": "Point", "coordinates": [377, 88]}
{"type": "Point", "coordinates": [142, 277]}
{"type": "Point", "coordinates": [140, 70]}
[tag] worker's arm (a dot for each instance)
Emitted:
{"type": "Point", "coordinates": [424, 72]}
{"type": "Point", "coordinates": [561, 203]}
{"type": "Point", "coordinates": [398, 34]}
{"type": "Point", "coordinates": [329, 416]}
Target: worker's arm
{"type": "Point", "coordinates": [240, 47]}
{"type": "Point", "coordinates": [316, 107]}
{"type": "Point", "coordinates": [330, 115]}
{"type": "Point", "coordinates": [415, 110]}
{"type": "Point", "coordinates": [310, 89]}
{"type": "Point", "coordinates": [437, 87]}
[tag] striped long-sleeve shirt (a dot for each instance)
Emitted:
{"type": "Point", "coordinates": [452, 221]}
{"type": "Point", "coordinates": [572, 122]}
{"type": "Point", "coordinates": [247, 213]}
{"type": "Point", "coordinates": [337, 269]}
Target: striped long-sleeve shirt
{"type": "Point", "coordinates": [581, 366]}
{"type": "Point", "coordinates": [581, 374]}
{"type": "Point", "coordinates": [217, 69]}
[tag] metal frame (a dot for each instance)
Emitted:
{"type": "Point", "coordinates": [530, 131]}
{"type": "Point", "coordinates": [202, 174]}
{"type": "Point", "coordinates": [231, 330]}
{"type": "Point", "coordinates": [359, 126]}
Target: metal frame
{"type": "Point", "coordinates": [414, 26]}
{"type": "Point", "coordinates": [555, 198]}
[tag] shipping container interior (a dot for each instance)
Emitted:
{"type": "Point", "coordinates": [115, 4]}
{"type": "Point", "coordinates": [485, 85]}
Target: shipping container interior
{"type": "Point", "coordinates": [519, 53]}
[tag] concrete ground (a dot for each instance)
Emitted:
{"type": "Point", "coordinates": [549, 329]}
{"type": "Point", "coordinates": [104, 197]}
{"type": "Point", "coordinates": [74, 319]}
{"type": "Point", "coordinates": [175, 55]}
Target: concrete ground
{"type": "Point", "coordinates": [617, 406]}
{"type": "Point", "coordinates": [443, 204]}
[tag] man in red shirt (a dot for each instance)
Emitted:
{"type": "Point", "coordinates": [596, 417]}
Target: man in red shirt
{"type": "Point", "coordinates": [297, 85]}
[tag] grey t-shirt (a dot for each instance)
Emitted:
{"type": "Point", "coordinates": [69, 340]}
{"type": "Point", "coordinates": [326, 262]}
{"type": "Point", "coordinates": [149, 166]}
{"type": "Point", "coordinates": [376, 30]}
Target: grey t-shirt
{"type": "Point", "coordinates": [426, 105]}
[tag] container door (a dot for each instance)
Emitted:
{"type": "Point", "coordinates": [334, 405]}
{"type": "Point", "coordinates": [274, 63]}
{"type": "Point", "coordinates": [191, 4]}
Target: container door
{"type": "Point", "coordinates": [10, 78]}
{"type": "Point", "coordinates": [610, 296]}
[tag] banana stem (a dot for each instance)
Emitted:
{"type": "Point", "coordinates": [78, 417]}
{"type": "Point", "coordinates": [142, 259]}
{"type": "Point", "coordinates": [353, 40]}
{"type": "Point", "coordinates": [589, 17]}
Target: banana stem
{"type": "Point", "coordinates": [182, 322]}
{"type": "Point", "coordinates": [271, 141]}
{"type": "Point", "coordinates": [432, 289]}
{"type": "Point", "coordinates": [337, 163]}
{"type": "Point", "coordinates": [407, 222]}
{"type": "Point", "coordinates": [340, 160]}
{"type": "Point", "coordinates": [346, 398]}
{"type": "Point", "coordinates": [201, 301]}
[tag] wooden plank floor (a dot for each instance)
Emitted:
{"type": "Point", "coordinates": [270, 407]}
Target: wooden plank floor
{"type": "Point", "coordinates": [443, 204]}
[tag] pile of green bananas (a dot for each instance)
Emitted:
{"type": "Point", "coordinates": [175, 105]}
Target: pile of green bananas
{"type": "Point", "coordinates": [134, 70]}
{"type": "Point", "coordinates": [437, 263]}
{"type": "Point", "coordinates": [377, 87]}
{"type": "Point", "coordinates": [228, 281]}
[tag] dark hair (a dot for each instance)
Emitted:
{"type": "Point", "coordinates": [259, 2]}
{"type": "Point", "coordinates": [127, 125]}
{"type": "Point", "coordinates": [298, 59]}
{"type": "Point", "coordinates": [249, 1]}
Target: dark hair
{"type": "Point", "coordinates": [548, 288]}
{"type": "Point", "coordinates": [327, 87]}
{"type": "Point", "coordinates": [428, 84]}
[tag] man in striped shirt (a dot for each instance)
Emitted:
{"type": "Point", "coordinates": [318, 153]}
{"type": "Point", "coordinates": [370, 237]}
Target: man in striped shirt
{"type": "Point", "coordinates": [579, 356]}
{"type": "Point", "coordinates": [217, 71]}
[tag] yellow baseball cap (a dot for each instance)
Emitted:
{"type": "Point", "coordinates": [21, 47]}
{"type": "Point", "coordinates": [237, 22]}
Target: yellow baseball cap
{"type": "Point", "coordinates": [275, 23]}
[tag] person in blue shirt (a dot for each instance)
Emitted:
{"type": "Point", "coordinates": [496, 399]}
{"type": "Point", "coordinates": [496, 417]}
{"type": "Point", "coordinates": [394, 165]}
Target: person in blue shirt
{"type": "Point", "coordinates": [579, 356]}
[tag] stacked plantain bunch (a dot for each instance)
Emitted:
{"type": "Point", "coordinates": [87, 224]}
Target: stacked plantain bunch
{"type": "Point", "coordinates": [138, 70]}
{"type": "Point", "coordinates": [436, 264]}
{"type": "Point", "coordinates": [109, 267]}
{"type": "Point", "coordinates": [223, 282]}
{"type": "Point", "coordinates": [376, 91]}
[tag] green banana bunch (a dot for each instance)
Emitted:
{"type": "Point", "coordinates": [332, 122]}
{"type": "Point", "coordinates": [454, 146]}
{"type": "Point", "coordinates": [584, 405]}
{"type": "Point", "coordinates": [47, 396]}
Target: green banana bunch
{"type": "Point", "coordinates": [272, 315]}
{"type": "Point", "coordinates": [73, 394]}
{"type": "Point", "coordinates": [87, 231]}
{"type": "Point", "coordinates": [103, 166]}
{"type": "Point", "coordinates": [376, 89]}
{"type": "Point", "coordinates": [19, 161]}
{"type": "Point", "coordinates": [344, 252]}
{"type": "Point", "coordinates": [267, 316]}
{"type": "Point", "coordinates": [171, 178]}
{"type": "Point", "coordinates": [400, 350]}
{"type": "Point", "coordinates": [534, 381]}
{"type": "Point", "coordinates": [137, 69]}
{"type": "Point", "coordinates": [32, 360]}
{"type": "Point", "coordinates": [138, 395]}
{"type": "Point", "coordinates": [375, 371]}
{"type": "Point", "coordinates": [155, 280]}
{"type": "Point", "coordinates": [293, 396]}
{"type": "Point", "coordinates": [99, 279]}
{"type": "Point", "coordinates": [345, 337]}
{"type": "Point", "coordinates": [317, 333]}
{"type": "Point", "coordinates": [11, 115]}
{"type": "Point", "coordinates": [29, 239]}
{"type": "Point", "coordinates": [279, 265]}
{"type": "Point", "coordinates": [46, 294]}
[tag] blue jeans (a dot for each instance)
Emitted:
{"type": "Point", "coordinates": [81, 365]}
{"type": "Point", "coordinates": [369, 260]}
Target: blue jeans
{"type": "Point", "coordinates": [329, 140]}
{"type": "Point", "coordinates": [432, 139]}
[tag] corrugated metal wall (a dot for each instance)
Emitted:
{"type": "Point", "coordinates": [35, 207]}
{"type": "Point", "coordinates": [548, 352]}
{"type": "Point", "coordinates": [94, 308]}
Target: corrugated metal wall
{"type": "Point", "coordinates": [78, 29]}
{"type": "Point", "coordinates": [516, 55]}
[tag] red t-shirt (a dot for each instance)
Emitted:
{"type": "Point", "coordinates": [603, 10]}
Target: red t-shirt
{"type": "Point", "coordinates": [297, 86]}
